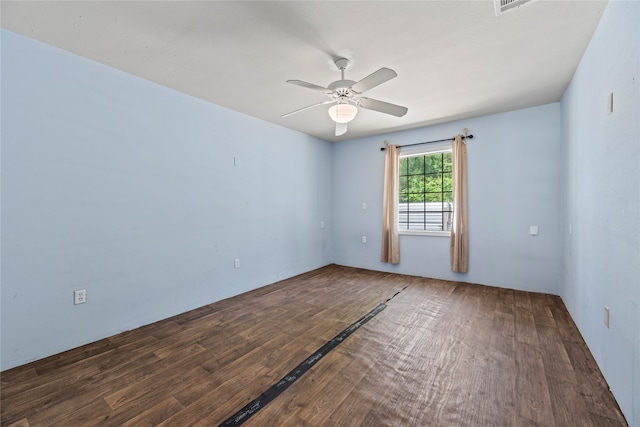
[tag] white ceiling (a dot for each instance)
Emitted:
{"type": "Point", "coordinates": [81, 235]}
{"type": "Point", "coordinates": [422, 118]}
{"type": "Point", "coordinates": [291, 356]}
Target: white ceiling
{"type": "Point", "coordinates": [454, 59]}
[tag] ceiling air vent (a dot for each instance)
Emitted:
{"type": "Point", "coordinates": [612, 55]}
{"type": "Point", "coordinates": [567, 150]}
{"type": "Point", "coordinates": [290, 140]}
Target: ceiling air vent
{"type": "Point", "coordinates": [503, 6]}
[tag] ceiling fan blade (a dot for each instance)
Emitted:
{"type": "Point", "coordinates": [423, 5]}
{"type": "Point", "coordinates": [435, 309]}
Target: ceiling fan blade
{"type": "Point", "coordinates": [383, 107]}
{"type": "Point", "coordinates": [329, 101]}
{"type": "Point", "coordinates": [374, 79]}
{"type": "Point", "coordinates": [341, 129]}
{"type": "Point", "coordinates": [310, 86]}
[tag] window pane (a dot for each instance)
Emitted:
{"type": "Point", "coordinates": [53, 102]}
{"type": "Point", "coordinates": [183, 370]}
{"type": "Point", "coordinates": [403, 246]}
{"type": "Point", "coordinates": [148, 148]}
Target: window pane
{"type": "Point", "coordinates": [433, 183]}
{"type": "Point", "coordinates": [417, 198]}
{"type": "Point", "coordinates": [416, 184]}
{"type": "Point", "coordinates": [403, 216]}
{"type": "Point", "coordinates": [434, 163]}
{"type": "Point", "coordinates": [416, 165]}
{"type": "Point", "coordinates": [404, 186]}
{"type": "Point", "coordinates": [416, 216]}
{"type": "Point", "coordinates": [434, 221]}
{"type": "Point", "coordinates": [403, 166]}
{"type": "Point", "coordinates": [447, 218]}
{"type": "Point", "coordinates": [447, 197]}
{"type": "Point", "coordinates": [446, 162]}
{"type": "Point", "coordinates": [448, 183]}
{"type": "Point", "coordinates": [434, 198]}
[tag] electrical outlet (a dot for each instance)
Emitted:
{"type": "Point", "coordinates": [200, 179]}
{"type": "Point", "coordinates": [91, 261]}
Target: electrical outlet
{"type": "Point", "coordinates": [236, 263]}
{"type": "Point", "coordinates": [364, 239]}
{"type": "Point", "coordinates": [321, 224]}
{"type": "Point", "coordinates": [364, 206]}
{"type": "Point", "coordinates": [79, 296]}
{"type": "Point", "coordinates": [606, 316]}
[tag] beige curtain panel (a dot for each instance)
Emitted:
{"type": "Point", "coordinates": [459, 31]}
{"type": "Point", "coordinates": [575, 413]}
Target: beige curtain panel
{"type": "Point", "coordinates": [390, 245]}
{"type": "Point", "coordinates": [459, 234]}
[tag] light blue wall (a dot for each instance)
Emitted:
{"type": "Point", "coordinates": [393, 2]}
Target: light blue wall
{"type": "Point", "coordinates": [127, 189]}
{"type": "Point", "coordinates": [602, 195]}
{"type": "Point", "coordinates": [514, 175]}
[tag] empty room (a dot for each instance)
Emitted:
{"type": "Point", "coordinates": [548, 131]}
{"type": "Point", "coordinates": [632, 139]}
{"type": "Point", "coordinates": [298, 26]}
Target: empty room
{"type": "Point", "coordinates": [320, 213]}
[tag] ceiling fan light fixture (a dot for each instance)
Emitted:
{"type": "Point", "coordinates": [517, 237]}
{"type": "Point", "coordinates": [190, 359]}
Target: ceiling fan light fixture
{"type": "Point", "coordinates": [342, 113]}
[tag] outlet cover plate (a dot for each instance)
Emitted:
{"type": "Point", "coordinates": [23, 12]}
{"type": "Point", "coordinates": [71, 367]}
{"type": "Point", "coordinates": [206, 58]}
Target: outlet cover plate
{"type": "Point", "coordinates": [79, 296]}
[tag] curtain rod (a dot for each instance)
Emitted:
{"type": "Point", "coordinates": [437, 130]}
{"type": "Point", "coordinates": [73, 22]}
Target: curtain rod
{"type": "Point", "coordinates": [429, 142]}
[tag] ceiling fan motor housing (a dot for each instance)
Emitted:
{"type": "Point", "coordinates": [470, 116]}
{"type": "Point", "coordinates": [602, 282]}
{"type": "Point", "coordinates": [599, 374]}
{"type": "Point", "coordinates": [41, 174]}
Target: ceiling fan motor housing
{"type": "Point", "coordinates": [341, 85]}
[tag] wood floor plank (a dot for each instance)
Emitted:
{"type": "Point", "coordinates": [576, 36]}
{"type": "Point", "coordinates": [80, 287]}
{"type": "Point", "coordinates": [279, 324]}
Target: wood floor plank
{"type": "Point", "coordinates": [554, 355]}
{"type": "Point", "coordinates": [568, 409]}
{"type": "Point", "coordinates": [505, 301]}
{"type": "Point", "coordinates": [171, 379]}
{"type": "Point", "coordinates": [16, 376]}
{"type": "Point", "coordinates": [75, 411]}
{"type": "Point", "coordinates": [72, 356]}
{"type": "Point", "coordinates": [155, 415]}
{"type": "Point", "coordinates": [534, 399]}
{"type": "Point", "coordinates": [525, 328]}
{"type": "Point", "coordinates": [441, 353]}
{"type": "Point", "coordinates": [566, 327]}
{"type": "Point", "coordinates": [71, 403]}
{"type": "Point", "coordinates": [309, 385]}
{"type": "Point", "coordinates": [41, 395]}
{"type": "Point", "coordinates": [225, 399]}
{"type": "Point", "coordinates": [541, 310]}
{"type": "Point", "coordinates": [20, 423]}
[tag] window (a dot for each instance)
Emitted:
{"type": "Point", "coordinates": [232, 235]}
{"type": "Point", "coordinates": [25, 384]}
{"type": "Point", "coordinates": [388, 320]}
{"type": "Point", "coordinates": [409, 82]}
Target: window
{"type": "Point", "coordinates": [425, 202]}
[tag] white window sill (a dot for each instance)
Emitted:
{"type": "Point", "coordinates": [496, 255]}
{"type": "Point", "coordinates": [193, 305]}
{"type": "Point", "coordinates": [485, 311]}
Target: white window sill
{"type": "Point", "coordinates": [425, 233]}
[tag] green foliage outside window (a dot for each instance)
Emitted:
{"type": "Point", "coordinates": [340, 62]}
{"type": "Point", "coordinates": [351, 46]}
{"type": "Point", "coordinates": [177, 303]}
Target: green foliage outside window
{"type": "Point", "coordinates": [426, 178]}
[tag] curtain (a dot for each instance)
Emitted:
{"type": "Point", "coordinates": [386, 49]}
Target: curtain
{"type": "Point", "coordinates": [390, 246]}
{"type": "Point", "coordinates": [459, 245]}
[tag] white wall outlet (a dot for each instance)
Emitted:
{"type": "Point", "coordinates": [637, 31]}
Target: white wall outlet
{"type": "Point", "coordinates": [364, 239]}
{"type": "Point", "coordinates": [606, 316]}
{"type": "Point", "coordinates": [364, 206]}
{"type": "Point", "coordinates": [236, 161]}
{"type": "Point", "coordinates": [79, 296]}
{"type": "Point", "coordinates": [321, 224]}
{"type": "Point", "coordinates": [236, 263]}
{"type": "Point", "coordinates": [533, 230]}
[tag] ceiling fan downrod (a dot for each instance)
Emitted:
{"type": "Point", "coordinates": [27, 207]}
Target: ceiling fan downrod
{"type": "Point", "coordinates": [342, 64]}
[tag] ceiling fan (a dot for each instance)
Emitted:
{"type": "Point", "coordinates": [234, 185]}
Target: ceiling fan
{"type": "Point", "coordinates": [346, 95]}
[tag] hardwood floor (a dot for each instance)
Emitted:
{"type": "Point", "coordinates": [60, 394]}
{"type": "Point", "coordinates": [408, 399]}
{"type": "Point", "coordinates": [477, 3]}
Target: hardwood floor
{"type": "Point", "coordinates": [440, 354]}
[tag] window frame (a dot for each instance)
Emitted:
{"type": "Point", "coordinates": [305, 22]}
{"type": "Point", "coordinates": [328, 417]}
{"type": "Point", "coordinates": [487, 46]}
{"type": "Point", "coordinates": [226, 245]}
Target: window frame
{"type": "Point", "coordinates": [432, 148]}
